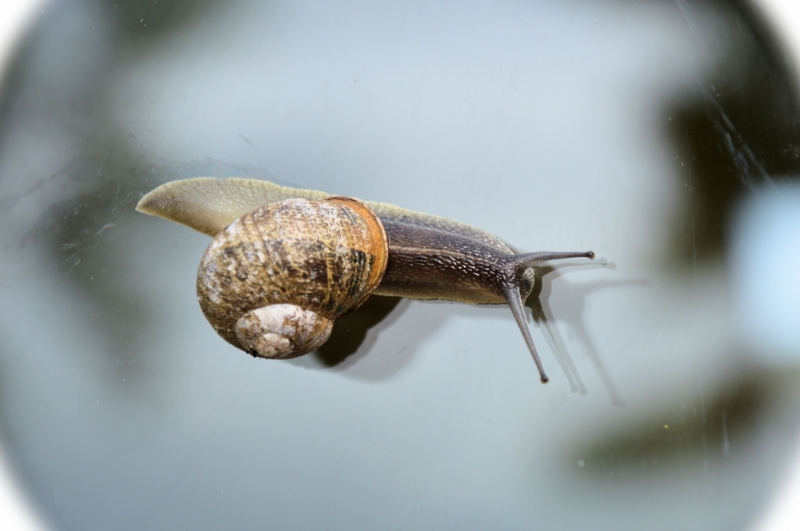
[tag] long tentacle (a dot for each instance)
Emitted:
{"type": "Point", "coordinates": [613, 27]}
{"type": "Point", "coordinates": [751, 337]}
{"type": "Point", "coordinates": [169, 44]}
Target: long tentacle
{"type": "Point", "coordinates": [532, 259]}
{"type": "Point", "coordinates": [515, 303]}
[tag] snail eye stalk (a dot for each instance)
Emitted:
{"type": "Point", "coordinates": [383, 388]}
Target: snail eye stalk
{"type": "Point", "coordinates": [515, 303]}
{"type": "Point", "coordinates": [512, 292]}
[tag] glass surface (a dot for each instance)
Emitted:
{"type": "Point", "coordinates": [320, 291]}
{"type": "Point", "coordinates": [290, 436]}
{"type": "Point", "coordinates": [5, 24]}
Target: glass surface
{"type": "Point", "coordinates": [661, 135]}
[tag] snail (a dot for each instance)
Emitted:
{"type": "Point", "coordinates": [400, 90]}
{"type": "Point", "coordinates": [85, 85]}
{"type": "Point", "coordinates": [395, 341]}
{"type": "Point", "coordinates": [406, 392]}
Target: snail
{"type": "Point", "coordinates": [284, 263]}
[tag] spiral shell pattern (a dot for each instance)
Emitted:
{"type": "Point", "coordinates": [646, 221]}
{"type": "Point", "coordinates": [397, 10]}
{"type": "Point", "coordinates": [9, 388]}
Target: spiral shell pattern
{"type": "Point", "coordinates": [325, 256]}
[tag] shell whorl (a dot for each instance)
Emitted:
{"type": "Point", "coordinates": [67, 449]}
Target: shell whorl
{"type": "Point", "coordinates": [282, 331]}
{"type": "Point", "coordinates": [325, 256]}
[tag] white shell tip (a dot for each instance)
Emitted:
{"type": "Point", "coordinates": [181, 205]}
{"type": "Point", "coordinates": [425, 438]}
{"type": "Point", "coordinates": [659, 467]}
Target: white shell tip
{"type": "Point", "coordinates": [282, 331]}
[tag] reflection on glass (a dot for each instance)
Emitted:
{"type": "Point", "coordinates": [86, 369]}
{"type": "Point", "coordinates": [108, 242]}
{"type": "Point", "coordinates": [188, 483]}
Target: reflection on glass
{"type": "Point", "coordinates": [661, 135]}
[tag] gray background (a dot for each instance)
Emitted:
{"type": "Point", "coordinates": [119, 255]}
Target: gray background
{"type": "Point", "coordinates": [636, 129]}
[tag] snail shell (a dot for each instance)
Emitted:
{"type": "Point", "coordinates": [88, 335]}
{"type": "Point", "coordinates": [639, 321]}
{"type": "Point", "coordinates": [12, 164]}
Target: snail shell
{"type": "Point", "coordinates": [428, 257]}
{"type": "Point", "coordinates": [273, 281]}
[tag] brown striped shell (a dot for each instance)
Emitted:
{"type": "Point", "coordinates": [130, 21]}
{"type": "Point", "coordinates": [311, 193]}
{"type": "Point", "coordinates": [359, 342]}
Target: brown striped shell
{"type": "Point", "coordinates": [273, 281]}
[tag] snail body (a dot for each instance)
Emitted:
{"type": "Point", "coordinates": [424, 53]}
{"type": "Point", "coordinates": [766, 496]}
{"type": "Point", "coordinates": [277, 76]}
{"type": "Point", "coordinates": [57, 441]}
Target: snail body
{"type": "Point", "coordinates": [285, 262]}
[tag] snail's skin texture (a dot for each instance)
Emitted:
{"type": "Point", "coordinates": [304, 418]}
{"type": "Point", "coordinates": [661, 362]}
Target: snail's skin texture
{"type": "Point", "coordinates": [429, 257]}
{"type": "Point", "coordinates": [208, 205]}
{"type": "Point", "coordinates": [428, 263]}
